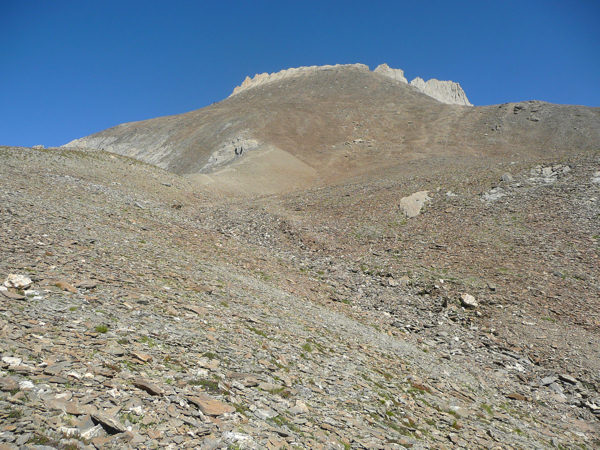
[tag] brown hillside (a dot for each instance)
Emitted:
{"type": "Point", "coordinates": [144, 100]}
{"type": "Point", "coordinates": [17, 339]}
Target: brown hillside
{"type": "Point", "coordinates": [323, 127]}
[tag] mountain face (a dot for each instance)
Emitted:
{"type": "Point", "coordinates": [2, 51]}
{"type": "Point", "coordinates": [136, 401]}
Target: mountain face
{"type": "Point", "coordinates": [320, 125]}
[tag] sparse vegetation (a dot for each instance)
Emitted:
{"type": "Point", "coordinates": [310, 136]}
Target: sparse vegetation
{"type": "Point", "coordinates": [101, 328]}
{"type": "Point", "coordinates": [307, 347]}
{"type": "Point", "coordinates": [207, 384]}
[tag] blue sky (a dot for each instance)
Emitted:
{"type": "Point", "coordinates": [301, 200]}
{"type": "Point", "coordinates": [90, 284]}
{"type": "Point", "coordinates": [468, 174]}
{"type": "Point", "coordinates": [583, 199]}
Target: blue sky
{"type": "Point", "coordinates": [71, 68]}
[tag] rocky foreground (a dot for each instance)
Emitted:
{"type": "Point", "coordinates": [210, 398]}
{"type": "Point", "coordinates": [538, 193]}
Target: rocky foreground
{"type": "Point", "coordinates": [137, 312]}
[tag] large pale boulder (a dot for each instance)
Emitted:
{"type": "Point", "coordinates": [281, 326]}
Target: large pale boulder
{"type": "Point", "coordinates": [17, 281]}
{"type": "Point", "coordinates": [412, 205]}
{"type": "Point", "coordinates": [443, 91]}
{"type": "Point", "coordinates": [394, 74]}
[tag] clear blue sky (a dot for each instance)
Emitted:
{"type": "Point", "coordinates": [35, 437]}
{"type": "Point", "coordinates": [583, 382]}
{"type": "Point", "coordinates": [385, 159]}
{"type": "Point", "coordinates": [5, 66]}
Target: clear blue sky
{"type": "Point", "coordinates": [71, 68]}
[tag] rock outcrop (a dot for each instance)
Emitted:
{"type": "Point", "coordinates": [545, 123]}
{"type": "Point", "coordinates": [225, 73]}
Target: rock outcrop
{"type": "Point", "coordinates": [263, 78]}
{"type": "Point", "coordinates": [394, 74]}
{"type": "Point", "coordinates": [448, 92]}
{"type": "Point", "coordinates": [443, 91]}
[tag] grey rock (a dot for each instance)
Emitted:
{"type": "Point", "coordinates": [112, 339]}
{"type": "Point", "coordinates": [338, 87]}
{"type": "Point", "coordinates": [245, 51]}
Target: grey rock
{"type": "Point", "coordinates": [494, 194]}
{"type": "Point", "coordinates": [556, 388]}
{"type": "Point", "coordinates": [147, 386]}
{"type": "Point", "coordinates": [567, 378]}
{"type": "Point", "coordinates": [110, 424]}
{"type": "Point", "coordinates": [548, 380]}
{"type": "Point", "coordinates": [8, 384]}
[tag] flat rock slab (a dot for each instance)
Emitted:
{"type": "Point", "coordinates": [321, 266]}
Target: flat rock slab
{"type": "Point", "coordinates": [517, 396]}
{"type": "Point", "coordinates": [8, 384]}
{"type": "Point", "coordinates": [86, 285]}
{"type": "Point", "coordinates": [11, 361]}
{"type": "Point", "coordinates": [110, 424]}
{"type": "Point", "coordinates": [12, 295]}
{"type": "Point", "coordinates": [62, 284]}
{"type": "Point", "coordinates": [412, 205]}
{"type": "Point", "coordinates": [147, 386]}
{"type": "Point", "coordinates": [567, 378]}
{"type": "Point", "coordinates": [71, 407]}
{"type": "Point", "coordinates": [210, 406]}
{"type": "Point", "coordinates": [143, 357]}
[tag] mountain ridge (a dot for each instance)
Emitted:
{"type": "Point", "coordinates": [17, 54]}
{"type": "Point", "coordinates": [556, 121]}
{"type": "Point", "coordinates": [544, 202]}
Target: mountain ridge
{"type": "Point", "coordinates": [448, 92]}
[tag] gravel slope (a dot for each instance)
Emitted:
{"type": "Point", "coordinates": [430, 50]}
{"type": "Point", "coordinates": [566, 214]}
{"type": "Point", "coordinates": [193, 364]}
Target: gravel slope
{"type": "Point", "coordinates": [163, 316]}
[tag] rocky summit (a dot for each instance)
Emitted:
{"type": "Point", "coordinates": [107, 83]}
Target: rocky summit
{"type": "Point", "coordinates": [330, 258]}
{"type": "Point", "coordinates": [444, 91]}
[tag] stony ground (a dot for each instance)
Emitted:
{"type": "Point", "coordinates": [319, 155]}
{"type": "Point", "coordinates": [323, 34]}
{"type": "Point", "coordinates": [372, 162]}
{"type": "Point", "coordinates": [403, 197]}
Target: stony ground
{"type": "Point", "coordinates": [161, 317]}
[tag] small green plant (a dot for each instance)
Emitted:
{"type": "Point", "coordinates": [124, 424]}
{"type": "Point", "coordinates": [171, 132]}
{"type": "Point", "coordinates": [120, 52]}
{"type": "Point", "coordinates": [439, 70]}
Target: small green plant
{"type": "Point", "coordinates": [307, 347]}
{"type": "Point", "coordinates": [40, 439]}
{"type": "Point", "coordinates": [388, 376]}
{"type": "Point", "coordinates": [283, 421]}
{"type": "Point", "coordinates": [264, 276]}
{"type": "Point", "coordinates": [208, 385]}
{"type": "Point", "coordinates": [257, 331]}
{"type": "Point", "coordinates": [242, 409]}
{"type": "Point", "coordinates": [101, 329]}
{"type": "Point", "coordinates": [132, 418]}
{"type": "Point", "coordinates": [148, 341]}
{"type": "Point", "coordinates": [487, 408]}
{"type": "Point", "coordinates": [15, 414]}
{"type": "Point", "coordinates": [132, 367]}
{"type": "Point", "coordinates": [282, 392]}
{"type": "Point", "coordinates": [73, 308]}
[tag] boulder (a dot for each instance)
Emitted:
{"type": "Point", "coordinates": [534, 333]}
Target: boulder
{"type": "Point", "coordinates": [468, 301]}
{"type": "Point", "coordinates": [17, 281]}
{"type": "Point", "coordinates": [412, 205]}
